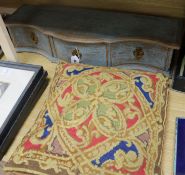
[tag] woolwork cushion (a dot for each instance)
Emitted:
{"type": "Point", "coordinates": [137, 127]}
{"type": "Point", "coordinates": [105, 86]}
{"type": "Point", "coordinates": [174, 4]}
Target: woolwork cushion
{"type": "Point", "coordinates": [97, 121]}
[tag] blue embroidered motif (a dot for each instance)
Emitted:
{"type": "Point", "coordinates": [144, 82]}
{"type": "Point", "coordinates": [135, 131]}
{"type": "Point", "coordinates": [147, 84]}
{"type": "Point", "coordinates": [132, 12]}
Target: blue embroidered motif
{"type": "Point", "coordinates": [110, 155]}
{"type": "Point", "coordinates": [140, 84]}
{"type": "Point", "coordinates": [48, 124]}
{"type": "Point", "coordinates": [76, 72]}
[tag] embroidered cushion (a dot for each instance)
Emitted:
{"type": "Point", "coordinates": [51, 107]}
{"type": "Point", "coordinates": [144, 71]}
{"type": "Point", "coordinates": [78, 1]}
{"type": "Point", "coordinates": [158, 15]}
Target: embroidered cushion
{"type": "Point", "coordinates": [97, 121]}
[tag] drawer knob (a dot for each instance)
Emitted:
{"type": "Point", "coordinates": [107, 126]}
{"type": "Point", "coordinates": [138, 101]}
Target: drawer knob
{"type": "Point", "coordinates": [138, 53]}
{"type": "Point", "coordinates": [34, 38]}
{"type": "Point", "coordinates": [76, 56]}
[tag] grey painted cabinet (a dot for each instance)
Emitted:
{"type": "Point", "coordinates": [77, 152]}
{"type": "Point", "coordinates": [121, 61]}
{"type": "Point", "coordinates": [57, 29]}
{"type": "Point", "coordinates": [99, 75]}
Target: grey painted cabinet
{"type": "Point", "coordinates": [104, 38]}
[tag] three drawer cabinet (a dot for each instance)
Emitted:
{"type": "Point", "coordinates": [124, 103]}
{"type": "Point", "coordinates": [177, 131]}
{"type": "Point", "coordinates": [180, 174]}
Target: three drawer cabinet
{"type": "Point", "coordinates": [103, 38]}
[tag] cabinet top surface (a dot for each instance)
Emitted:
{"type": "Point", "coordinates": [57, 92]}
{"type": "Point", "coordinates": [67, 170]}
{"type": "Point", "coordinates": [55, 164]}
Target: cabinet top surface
{"type": "Point", "coordinates": [90, 25]}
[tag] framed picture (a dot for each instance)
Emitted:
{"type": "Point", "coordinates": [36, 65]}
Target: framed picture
{"type": "Point", "coordinates": [19, 85]}
{"type": "Point", "coordinates": [179, 168]}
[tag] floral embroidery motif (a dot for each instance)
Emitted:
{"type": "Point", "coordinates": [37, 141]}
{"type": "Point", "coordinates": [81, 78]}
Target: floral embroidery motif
{"type": "Point", "coordinates": [98, 121]}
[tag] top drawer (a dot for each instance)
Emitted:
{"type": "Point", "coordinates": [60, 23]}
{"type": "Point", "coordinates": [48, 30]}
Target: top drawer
{"type": "Point", "coordinates": [140, 53]}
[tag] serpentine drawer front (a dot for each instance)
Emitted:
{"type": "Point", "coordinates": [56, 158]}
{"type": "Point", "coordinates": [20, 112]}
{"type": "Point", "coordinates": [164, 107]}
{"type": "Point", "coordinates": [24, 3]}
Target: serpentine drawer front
{"type": "Point", "coordinates": [30, 39]}
{"type": "Point", "coordinates": [94, 54]}
{"type": "Point", "coordinates": [140, 53]}
{"type": "Point", "coordinates": [102, 38]}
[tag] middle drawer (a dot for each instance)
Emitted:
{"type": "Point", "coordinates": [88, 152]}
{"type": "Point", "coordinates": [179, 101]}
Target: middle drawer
{"type": "Point", "coordinates": [94, 54]}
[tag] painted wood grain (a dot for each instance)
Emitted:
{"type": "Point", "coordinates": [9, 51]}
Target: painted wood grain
{"type": "Point", "coordinates": [25, 37]}
{"type": "Point", "coordinates": [153, 55]}
{"type": "Point", "coordinates": [121, 53]}
{"type": "Point", "coordinates": [93, 54]}
{"type": "Point", "coordinates": [77, 24]}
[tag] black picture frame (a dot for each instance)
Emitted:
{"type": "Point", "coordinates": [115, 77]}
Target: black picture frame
{"type": "Point", "coordinates": [24, 103]}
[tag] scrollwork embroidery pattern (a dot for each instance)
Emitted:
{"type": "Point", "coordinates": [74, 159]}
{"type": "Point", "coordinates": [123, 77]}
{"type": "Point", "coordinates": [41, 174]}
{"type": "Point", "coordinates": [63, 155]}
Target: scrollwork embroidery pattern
{"type": "Point", "coordinates": [97, 121]}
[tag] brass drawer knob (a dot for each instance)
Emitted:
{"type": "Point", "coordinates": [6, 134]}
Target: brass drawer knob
{"type": "Point", "coordinates": [76, 56]}
{"type": "Point", "coordinates": [138, 53]}
{"type": "Point", "coordinates": [34, 38]}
